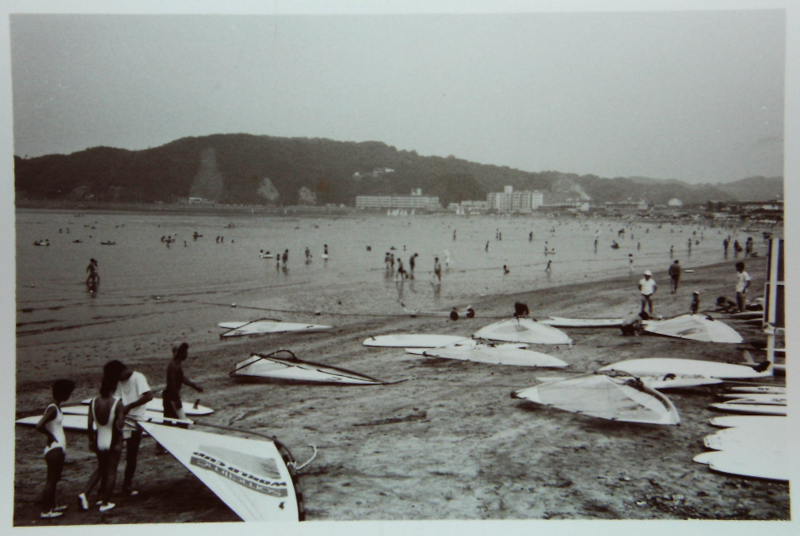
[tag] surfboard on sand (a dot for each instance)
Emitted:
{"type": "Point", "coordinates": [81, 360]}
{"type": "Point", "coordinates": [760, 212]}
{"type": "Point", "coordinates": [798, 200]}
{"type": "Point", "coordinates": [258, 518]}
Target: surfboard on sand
{"type": "Point", "coordinates": [764, 398]}
{"type": "Point", "coordinates": [262, 327]}
{"type": "Point", "coordinates": [561, 322]}
{"type": "Point", "coordinates": [748, 421]}
{"type": "Point", "coordinates": [655, 366]}
{"type": "Point", "coordinates": [290, 368]}
{"type": "Point", "coordinates": [454, 314]}
{"type": "Point", "coordinates": [495, 354]}
{"type": "Point", "coordinates": [79, 422]}
{"type": "Point", "coordinates": [605, 397]}
{"type": "Point", "coordinates": [744, 390]}
{"type": "Point", "coordinates": [750, 408]}
{"type": "Point", "coordinates": [523, 330]}
{"type": "Point", "coordinates": [156, 405]}
{"type": "Point", "coordinates": [694, 327]}
{"type": "Point", "coordinates": [766, 464]}
{"type": "Point", "coordinates": [254, 477]}
{"type": "Point", "coordinates": [412, 340]}
{"type": "Point", "coordinates": [761, 439]}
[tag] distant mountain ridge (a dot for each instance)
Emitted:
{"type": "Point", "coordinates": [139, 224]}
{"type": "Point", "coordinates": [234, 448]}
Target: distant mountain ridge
{"type": "Point", "coordinates": [249, 169]}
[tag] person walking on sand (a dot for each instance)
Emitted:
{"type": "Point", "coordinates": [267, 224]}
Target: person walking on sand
{"type": "Point", "coordinates": [401, 272]}
{"type": "Point", "coordinates": [173, 408]}
{"type": "Point", "coordinates": [648, 287]}
{"type": "Point", "coordinates": [742, 282]}
{"type": "Point", "coordinates": [94, 277]}
{"type": "Point", "coordinates": [547, 269]}
{"type": "Point", "coordinates": [412, 261]}
{"type": "Point", "coordinates": [105, 422]}
{"type": "Point", "coordinates": [675, 275]}
{"type": "Point", "coordinates": [55, 449]}
{"type": "Point", "coordinates": [630, 263]}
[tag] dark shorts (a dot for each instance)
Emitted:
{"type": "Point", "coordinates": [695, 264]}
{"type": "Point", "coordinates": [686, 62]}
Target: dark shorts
{"type": "Point", "coordinates": [169, 410]}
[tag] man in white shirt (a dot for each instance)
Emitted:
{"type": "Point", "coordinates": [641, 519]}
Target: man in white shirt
{"type": "Point", "coordinates": [742, 282]}
{"type": "Point", "coordinates": [135, 393]}
{"type": "Point", "coordinates": [648, 286]}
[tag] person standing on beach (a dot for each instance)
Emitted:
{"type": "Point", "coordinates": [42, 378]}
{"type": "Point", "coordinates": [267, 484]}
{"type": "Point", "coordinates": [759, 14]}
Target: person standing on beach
{"type": "Point", "coordinates": [547, 269]}
{"type": "Point", "coordinates": [94, 277]}
{"type": "Point", "coordinates": [105, 422]}
{"type": "Point", "coordinates": [694, 308]}
{"type": "Point", "coordinates": [285, 257]}
{"type": "Point", "coordinates": [742, 282]}
{"type": "Point", "coordinates": [55, 449]}
{"type": "Point", "coordinates": [411, 263]}
{"type": "Point", "coordinates": [437, 269]}
{"type": "Point", "coordinates": [401, 272]}
{"type": "Point", "coordinates": [630, 263]}
{"type": "Point", "coordinates": [648, 287]}
{"type": "Point", "coordinates": [675, 275]}
{"type": "Point", "coordinates": [173, 408]}
{"type": "Point", "coordinates": [134, 393]}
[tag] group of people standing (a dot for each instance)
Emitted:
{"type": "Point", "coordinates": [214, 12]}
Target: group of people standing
{"type": "Point", "coordinates": [124, 394]}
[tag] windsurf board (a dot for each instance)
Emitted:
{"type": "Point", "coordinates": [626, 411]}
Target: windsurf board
{"type": "Point", "coordinates": [495, 354]}
{"type": "Point", "coordinates": [765, 439]}
{"type": "Point", "coordinates": [291, 368]}
{"type": "Point", "coordinates": [755, 389]}
{"type": "Point", "coordinates": [757, 464]}
{"type": "Point", "coordinates": [751, 409]}
{"type": "Point", "coordinates": [748, 421]}
{"type": "Point", "coordinates": [661, 366]}
{"type": "Point", "coordinates": [155, 405]}
{"type": "Point", "coordinates": [695, 327]}
{"type": "Point", "coordinates": [262, 327]}
{"type": "Point", "coordinates": [561, 322]}
{"type": "Point", "coordinates": [412, 340]}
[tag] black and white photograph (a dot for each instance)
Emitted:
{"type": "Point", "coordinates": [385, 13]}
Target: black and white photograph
{"type": "Point", "coordinates": [379, 263]}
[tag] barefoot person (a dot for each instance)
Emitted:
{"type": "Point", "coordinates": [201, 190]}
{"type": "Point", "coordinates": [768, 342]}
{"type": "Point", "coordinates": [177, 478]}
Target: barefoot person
{"type": "Point", "coordinates": [675, 275]}
{"type": "Point", "coordinates": [173, 408]}
{"type": "Point", "coordinates": [55, 450]}
{"type": "Point", "coordinates": [134, 392]}
{"type": "Point", "coordinates": [105, 422]}
{"type": "Point", "coordinates": [742, 282]}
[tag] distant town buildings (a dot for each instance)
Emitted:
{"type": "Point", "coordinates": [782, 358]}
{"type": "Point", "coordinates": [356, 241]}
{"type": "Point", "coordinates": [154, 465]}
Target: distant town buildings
{"type": "Point", "coordinates": [414, 201]}
{"type": "Point", "coordinates": [521, 201]}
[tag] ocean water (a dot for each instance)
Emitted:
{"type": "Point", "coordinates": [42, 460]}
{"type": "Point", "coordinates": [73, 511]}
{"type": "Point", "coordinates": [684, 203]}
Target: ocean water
{"type": "Point", "coordinates": [146, 286]}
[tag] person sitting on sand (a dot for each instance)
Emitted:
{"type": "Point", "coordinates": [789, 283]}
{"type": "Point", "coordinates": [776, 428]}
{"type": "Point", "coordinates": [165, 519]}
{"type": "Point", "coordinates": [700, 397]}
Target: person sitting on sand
{"type": "Point", "coordinates": [173, 408]}
{"type": "Point", "coordinates": [55, 449]}
{"type": "Point", "coordinates": [724, 305]}
{"type": "Point", "coordinates": [506, 271]}
{"type": "Point", "coordinates": [634, 323]}
{"type": "Point", "coordinates": [105, 422]}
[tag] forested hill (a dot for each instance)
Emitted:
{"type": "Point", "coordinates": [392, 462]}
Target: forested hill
{"type": "Point", "coordinates": [247, 169]}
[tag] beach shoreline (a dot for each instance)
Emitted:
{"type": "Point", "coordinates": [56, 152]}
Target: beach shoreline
{"type": "Point", "coordinates": [447, 441]}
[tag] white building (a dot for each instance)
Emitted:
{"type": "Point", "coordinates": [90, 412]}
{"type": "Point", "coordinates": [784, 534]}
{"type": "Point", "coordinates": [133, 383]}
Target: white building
{"type": "Point", "coordinates": [510, 201]}
{"type": "Point", "coordinates": [416, 201]}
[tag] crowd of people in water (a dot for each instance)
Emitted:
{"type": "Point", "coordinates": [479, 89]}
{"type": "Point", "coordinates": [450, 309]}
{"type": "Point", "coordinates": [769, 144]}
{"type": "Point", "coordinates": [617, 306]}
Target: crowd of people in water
{"type": "Point", "coordinates": [122, 399]}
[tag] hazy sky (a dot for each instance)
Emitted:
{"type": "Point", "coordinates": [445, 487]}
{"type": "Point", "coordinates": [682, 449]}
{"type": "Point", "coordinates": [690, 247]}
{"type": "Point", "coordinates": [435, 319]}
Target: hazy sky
{"type": "Point", "coordinates": [696, 96]}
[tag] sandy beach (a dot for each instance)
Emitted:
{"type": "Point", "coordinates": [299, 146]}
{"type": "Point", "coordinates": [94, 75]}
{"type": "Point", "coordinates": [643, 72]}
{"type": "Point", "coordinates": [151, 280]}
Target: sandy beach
{"type": "Point", "coordinates": [447, 443]}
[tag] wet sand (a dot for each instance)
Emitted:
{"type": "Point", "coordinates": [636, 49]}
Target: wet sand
{"type": "Point", "coordinates": [448, 443]}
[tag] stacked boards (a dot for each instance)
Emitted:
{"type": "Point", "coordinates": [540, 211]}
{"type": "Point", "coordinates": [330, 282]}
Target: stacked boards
{"type": "Point", "coordinates": [748, 446]}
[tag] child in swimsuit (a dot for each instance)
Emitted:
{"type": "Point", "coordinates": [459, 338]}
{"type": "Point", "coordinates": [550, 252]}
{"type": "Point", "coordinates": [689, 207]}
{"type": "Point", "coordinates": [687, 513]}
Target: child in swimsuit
{"type": "Point", "coordinates": [54, 452]}
{"type": "Point", "coordinates": [105, 422]}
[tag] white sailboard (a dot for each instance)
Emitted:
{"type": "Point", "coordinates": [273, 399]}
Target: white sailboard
{"type": "Point", "coordinates": [605, 397]}
{"type": "Point", "coordinates": [748, 421]}
{"type": "Point", "coordinates": [156, 406]}
{"type": "Point", "coordinates": [744, 390]}
{"type": "Point", "coordinates": [79, 421]}
{"type": "Point", "coordinates": [250, 475]}
{"type": "Point", "coordinates": [495, 354]}
{"type": "Point", "coordinates": [694, 327]}
{"type": "Point", "coordinates": [454, 314]}
{"type": "Point", "coordinates": [412, 340]}
{"type": "Point", "coordinates": [763, 398]}
{"type": "Point", "coordinates": [262, 327]}
{"type": "Point", "coordinates": [762, 439]}
{"type": "Point", "coordinates": [750, 407]}
{"type": "Point", "coordinates": [561, 322]}
{"type": "Point", "coordinates": [522, 330]}
{"type": "Point", "coordinates": [291, 368]}
{"type": "Point", "coordinates": [661, 366]}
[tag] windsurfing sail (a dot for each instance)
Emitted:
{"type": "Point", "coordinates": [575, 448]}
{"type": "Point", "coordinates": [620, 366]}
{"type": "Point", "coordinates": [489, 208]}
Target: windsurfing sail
{"type": "Point", "coordinates": [261, 327]}
{"type": "Point", "coordinates": [254, 477]}
{"type": "Point", "coordinates": [412, 340]}
{"type": "Point", "coordinates": [523, 330]}
{"type": "Point", "coordinates": [604, 397]}
{"type": "Point", "coordinates": [662, 366]}
{"type": "Point", "coordinates": [694, 327]}
{"type": "Point", "coordinates": [495, 354]}
{"type": "Point", "coordinates": [291, 368]}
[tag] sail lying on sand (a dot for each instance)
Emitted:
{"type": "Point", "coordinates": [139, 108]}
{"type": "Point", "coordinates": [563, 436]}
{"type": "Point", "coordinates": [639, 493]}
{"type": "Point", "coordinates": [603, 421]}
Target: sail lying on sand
{"type": "Point", "coordinates": [495, 354]}
{"type": "Point", "coordinates": [605, 397]}
{"type": "Point", "coordinates": [695, 327]}
{"type": "Point", "coordinates": [251, 476]}
{"type": "Point", "coordinates": [522, 330]}
{"type": "Point", "coordinates": [291, 368]}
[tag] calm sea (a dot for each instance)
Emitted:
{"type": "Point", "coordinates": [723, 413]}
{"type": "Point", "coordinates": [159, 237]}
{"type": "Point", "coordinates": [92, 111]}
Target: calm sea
{"type": "Point", "coordinates": [147, 286]}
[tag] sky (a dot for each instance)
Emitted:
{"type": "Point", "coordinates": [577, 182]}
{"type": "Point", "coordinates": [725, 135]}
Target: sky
{"type": "Point", "coordinates": [696, 96]}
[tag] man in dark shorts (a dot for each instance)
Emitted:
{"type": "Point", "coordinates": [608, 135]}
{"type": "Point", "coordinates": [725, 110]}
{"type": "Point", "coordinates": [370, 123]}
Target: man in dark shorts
{"type": "Point", "coordinates": [675, 275]}
{"type": "Point", "coordinates": [173, 408]}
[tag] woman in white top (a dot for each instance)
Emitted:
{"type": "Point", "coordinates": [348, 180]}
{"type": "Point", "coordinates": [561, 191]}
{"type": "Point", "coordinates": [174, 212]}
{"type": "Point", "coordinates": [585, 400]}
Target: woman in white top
{"type": "Point", "coordinates": [105, 422]}
{"type": "Point", "coordinates": [54, 452]}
